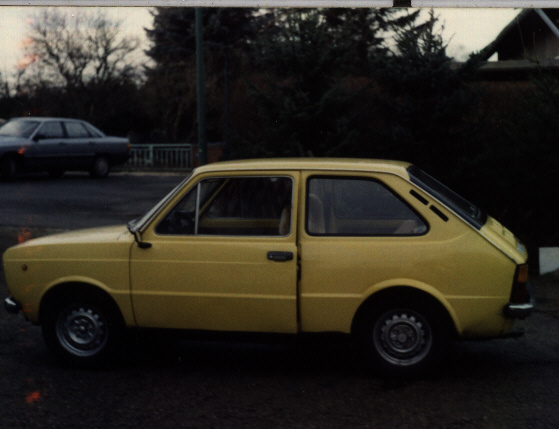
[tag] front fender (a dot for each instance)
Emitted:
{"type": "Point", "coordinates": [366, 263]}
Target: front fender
{"type": "Point", "coordinates": [71, 284]}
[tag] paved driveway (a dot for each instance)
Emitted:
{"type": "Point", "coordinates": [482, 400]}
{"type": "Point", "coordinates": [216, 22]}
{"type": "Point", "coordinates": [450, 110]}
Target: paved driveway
{"type": "Point", "coordinates": [77, 201]}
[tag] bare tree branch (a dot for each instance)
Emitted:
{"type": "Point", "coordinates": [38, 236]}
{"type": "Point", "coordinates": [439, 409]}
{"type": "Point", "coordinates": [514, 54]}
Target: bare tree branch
{"type": "Point", "coordinates": [73, 51]}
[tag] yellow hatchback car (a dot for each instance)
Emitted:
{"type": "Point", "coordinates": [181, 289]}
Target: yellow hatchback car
{"type": "Point", "coordinates": [377, 249]}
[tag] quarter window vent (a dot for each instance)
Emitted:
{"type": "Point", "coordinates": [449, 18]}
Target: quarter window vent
{"type": "Point", "coordinates": [439, 213]}
{"type": "Point", "coordinates": [419, 197]}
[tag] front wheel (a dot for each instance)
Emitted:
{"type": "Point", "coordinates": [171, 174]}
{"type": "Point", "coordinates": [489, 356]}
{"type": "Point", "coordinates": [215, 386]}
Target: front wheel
{"type": "Point", "coordinates": [83, 331]}
{"type": "Point", "coordinates": [403, 339]}
{"type": "Point", "coordinates": [56, 173]}
{"type": "Point", "coordinates": [8, 168]}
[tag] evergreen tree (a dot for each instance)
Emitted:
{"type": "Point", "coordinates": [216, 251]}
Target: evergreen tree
{"type": "Point", "coordinates": [424, 100]}
{"type": "Point", "coordinates": [367, 30]}
{"type": "Point", "coordinates": [309, 98]}
{"type": "Point", "coordinates": [172, 80]}
{"type": "Point", "coordinates": [513, 171]}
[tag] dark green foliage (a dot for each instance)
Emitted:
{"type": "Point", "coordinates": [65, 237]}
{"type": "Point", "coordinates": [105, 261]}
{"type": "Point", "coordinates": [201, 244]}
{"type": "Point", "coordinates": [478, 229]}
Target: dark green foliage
{"type": "Point", "coordinates": [171, 82]}
{"type": "Point", "coordinates": [308, 99]}
{"type": "Point", "coordinates": [424, 101]}
{"type": "Point", "coordinates": [173, 32]}
{"type": "Point", "coordinates": [513, 173]}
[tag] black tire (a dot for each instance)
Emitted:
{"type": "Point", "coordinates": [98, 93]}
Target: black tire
{"type": "Point", "coordinates": [84, 331]}
{"type": "Point", "coordinates": [8, 168]}
{"type": "Point", "coordinates": [100, 168]}
{"type": "Point", "coordinates": [404, 338]}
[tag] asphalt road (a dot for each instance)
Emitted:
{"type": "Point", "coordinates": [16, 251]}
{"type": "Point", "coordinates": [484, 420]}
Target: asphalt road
{"type": "Point", "coordinates": [77, 201]}
{"type": "Point", "coordinates": [169, 382]}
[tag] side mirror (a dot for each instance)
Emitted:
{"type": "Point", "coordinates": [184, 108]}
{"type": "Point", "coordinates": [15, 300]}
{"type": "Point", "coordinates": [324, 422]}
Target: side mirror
{"type": "Point", "coordinates": [141, 244]}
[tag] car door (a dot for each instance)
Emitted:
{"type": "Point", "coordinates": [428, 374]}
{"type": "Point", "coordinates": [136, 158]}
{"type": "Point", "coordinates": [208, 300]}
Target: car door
{"type": "Point", "coordinates": [224, 257]}
{"type": "Point", "coordinates": [359, 235]}
{"type": "Point", "coordinates": [49, 150]}
{"type": "Point", "coordinates": [81, 145]}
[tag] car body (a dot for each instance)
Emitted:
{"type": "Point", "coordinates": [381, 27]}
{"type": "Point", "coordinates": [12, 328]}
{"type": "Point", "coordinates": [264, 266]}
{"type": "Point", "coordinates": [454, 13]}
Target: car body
{"type": "Point", "coordinates": [56, 145]}
{"type": "Point", "coordinates": [377, 249]}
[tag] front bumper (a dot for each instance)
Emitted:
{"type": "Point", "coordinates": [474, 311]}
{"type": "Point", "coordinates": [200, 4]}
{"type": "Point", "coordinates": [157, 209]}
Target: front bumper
{"type": "Point", "coordinates": [11, 305]}
{"type": "Point", "coordinates": [521, 311]}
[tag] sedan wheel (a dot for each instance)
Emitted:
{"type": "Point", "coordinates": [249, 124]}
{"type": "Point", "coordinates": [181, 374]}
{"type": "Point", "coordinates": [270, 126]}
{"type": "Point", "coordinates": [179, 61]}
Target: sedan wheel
{"type": "Point", "coordinates": [100, 168]}
{"type": "Point", "coordinates": [8, 168]}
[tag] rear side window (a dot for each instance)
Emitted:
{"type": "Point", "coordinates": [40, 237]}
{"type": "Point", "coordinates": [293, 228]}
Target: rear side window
{"type": "Point", "coordinates": [93, 131]}
{"type": "Point", "coordinates": [76, 130]}
{"type": "Point", "coordinates": [358, 207]}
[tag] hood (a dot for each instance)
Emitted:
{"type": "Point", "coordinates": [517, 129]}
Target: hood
{"type": "Point", "coordinates": [11, 140]}
{"type": "Point", "coordinates": [505, 240]}
{"type": "Point", "coordinates": [92, 235]}
{"type": "Point", "coordinates": [74, 245]}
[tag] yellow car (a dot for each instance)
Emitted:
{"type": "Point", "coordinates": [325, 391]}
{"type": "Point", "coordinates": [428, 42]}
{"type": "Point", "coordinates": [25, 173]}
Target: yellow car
{"type": "Point", "coordinates": [377, 249]}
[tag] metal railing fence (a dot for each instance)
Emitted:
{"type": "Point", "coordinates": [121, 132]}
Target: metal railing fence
{"type": "Point", "coordinates": [161, 156]}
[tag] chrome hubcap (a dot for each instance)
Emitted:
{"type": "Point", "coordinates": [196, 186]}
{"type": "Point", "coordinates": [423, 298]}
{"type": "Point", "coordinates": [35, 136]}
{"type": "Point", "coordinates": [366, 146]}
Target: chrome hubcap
{"type": "Point", "coordinates": [82, 330]}
{"type": "Point", "coordinates": [402, 337]}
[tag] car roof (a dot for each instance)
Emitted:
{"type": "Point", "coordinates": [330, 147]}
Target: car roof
{"type": "Point", "coordinates": [335, 164]}
{"type": "Point", "coordinates": [44, 119]}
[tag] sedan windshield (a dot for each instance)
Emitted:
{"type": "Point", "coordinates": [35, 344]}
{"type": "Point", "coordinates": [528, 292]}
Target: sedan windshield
{"type": "Point", "coordinates": [18, 128]}
{"type": "Point", "coordinates": [466, 210]}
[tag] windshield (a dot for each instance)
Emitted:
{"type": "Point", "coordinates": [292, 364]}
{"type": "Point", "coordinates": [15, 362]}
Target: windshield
{"type": "Point", "coordinates": [466, 210]}
{"type": "Point", "coordinates": [18, 128]}
{"type": "Point", "coordinates": [136, 224]}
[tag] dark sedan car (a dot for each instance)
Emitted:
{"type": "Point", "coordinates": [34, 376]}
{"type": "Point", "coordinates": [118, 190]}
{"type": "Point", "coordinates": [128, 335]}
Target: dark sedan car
{"type": "Point", "coordinates": [56, 145]}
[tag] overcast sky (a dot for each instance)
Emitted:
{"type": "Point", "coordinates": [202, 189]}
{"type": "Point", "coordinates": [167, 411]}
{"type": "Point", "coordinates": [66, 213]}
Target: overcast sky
{"type": "Point", "coordinates": [466, 30]}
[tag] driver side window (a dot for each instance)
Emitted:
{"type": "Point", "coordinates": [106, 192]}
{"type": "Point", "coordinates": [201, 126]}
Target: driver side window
{"type": "Point", "coordinates": [50, 130]}
{"type": "Point", "coordinates": [239, 206]}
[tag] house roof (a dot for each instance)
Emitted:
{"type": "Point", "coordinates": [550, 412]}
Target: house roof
{"type": "Point", "coordinates": [521, 30]}
{"type": "Point", "coordinates": [530, 42]}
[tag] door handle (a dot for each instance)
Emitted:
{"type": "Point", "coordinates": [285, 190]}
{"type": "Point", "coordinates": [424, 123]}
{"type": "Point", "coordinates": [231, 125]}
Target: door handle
{"type": "Point", "coordinates": [280, 256]}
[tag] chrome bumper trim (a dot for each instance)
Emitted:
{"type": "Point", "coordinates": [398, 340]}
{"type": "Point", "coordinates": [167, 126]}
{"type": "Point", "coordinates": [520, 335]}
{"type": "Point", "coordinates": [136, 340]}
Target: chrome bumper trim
{"type": "Point", "coordinates": [11, 305]}
{"type": "Point", "coordinates": [521, 311]}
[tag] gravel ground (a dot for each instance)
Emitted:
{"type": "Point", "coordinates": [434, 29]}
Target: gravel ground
{"type": "Point", "coordinates": [175, 383]}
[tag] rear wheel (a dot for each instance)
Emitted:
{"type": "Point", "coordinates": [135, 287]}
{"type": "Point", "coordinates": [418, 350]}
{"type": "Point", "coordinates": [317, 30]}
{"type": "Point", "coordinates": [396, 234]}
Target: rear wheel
{"type": "Point", "coordinates": [403, 338]}
{"type": "Point", "coordinates": [83, 330]}
{"type": "Point", "coordinates": [101, 168]}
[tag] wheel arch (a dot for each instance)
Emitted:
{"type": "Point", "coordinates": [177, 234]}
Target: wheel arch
{"type": "Point", "coordinates": [401, 293]}
{"type": "Point", "coordinates": [103, 154]}
{"type": "Point", "coordinates": [77, 289]}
